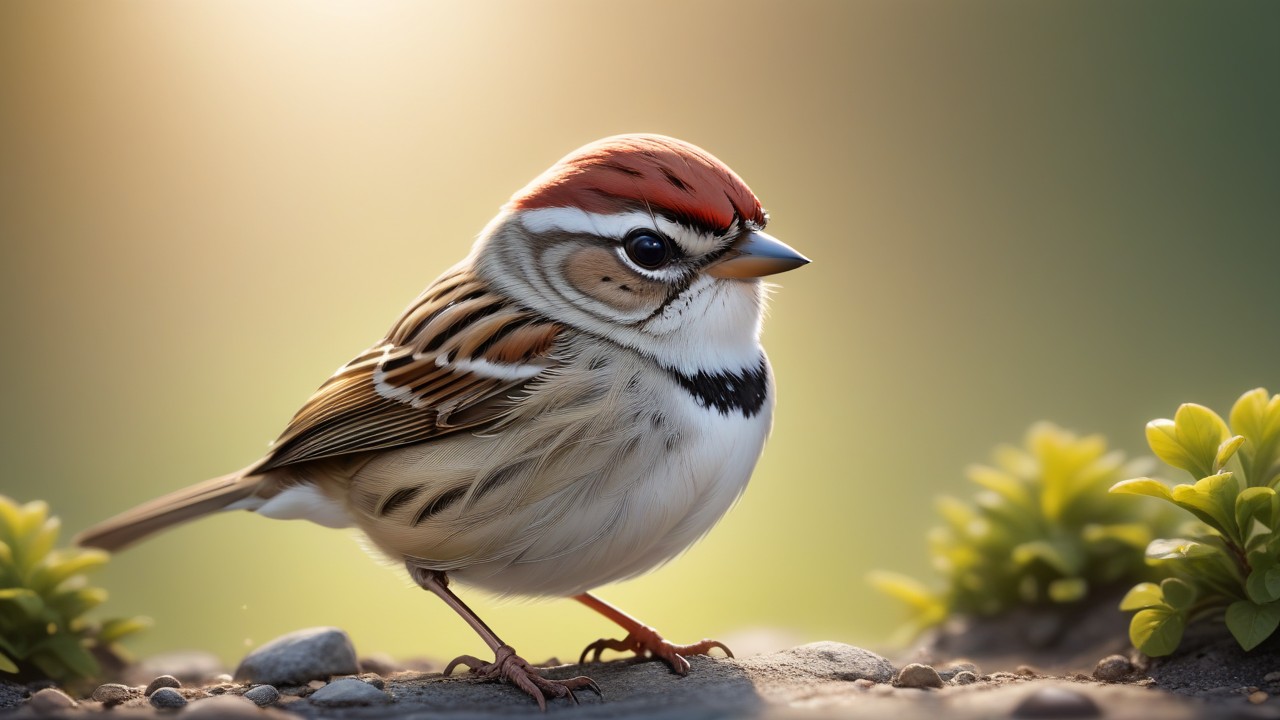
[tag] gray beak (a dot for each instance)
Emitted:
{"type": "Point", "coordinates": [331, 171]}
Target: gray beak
{"type": "Point", "coordinates": [756, 255]}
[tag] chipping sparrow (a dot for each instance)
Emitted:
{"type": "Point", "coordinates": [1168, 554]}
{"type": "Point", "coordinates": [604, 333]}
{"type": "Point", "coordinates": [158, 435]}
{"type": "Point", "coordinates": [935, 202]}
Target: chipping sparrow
{"type": "Point", "coordinates": [575, 403]}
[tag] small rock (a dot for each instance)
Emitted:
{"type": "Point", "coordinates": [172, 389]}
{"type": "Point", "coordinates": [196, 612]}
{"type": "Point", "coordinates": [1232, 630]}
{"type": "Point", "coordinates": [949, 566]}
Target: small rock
{"type": "Point", "coordinates": [1113, 668]}
{"type": "Point", "coordinates": [349, 692]}
{"type": "Point", "coordinates": [863, 683]}
{"type": "Point", "coordinates": [316, 684]}
{"type": "Point", "coordinates": [1026, 671]}
{"type": "Point", "coordinates": [1271, 677]}
{"type": "Point", "coordinates": [1056, 702]}
{"type": "Point", "coordinates": [223, 678]}
{"type": "Point", "coordinates": [112, 694]}
{"type": "Point", "coordinates": [311, 654]}
{"type": "Point", "coordinates": [49, 701]}
{"type": "Point", "coordinates": [164, 681]}
{"type": "Point", "coordinates": [374, 680]}
{"type": "Point", "coordinates": [964, 677]}
{"type": "Point", "coordinates": [263, 695]}
{"type": "Point", "coordinates": [1258, 697]}
{"type": "Point", "coordinates": [956, 668]}
{"type": "Point", "coordinates": [167, 698]}
{"type": "Point", "coordinates": [825, 661]}
{"type": "Point", "coordinates": [916, 675]}
{"type": "Point", "coordinates": [223, 707]}
{"type": "Point", "coordinates": [1006, 676]}
{"type": "Point", "coordinates": [220, 688]}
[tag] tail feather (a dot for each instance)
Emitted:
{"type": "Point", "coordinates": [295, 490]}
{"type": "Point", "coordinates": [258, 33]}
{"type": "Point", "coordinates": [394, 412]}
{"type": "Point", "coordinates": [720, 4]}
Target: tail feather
{"type": "Point", "coordinates": [164, 512]}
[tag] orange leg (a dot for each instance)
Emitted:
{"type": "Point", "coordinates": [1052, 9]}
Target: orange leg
{"type": "Point", "coordinates": [506, 663]}
{"type": "Point", "coordinates": [642, 640]}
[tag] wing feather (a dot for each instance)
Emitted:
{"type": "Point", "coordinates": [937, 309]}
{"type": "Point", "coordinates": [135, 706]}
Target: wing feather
{"type": "Point", "coordinates": [455, 359]}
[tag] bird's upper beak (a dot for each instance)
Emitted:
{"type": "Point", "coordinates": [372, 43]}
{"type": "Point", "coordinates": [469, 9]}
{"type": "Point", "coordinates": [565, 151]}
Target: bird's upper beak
{"type": "Point", "coordinates": [756, 254]}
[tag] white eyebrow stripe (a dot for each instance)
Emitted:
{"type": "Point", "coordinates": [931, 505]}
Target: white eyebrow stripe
{"type": "Point", "coordinates": [615, 226]}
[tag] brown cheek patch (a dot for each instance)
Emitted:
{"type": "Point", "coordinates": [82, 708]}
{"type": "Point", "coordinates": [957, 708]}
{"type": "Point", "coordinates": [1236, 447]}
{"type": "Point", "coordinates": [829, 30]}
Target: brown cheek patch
{"type": "Point", "coordinates": [599, 274]}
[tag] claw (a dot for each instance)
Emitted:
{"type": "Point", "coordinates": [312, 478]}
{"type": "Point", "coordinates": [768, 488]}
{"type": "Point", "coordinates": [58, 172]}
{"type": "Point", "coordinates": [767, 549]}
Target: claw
{"type": "Point", "coordinates": [514, 669]}
{"type": "Point", "coordinates": [647, 644]}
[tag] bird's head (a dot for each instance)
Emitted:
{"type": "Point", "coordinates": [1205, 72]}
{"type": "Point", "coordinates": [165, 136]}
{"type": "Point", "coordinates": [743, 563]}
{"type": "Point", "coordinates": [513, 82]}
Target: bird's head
{"type": "Point", "coordinates": [638, 237]}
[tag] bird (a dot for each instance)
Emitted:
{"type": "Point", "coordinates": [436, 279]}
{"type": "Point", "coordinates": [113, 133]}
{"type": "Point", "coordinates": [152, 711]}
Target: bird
{"type": "Point", "coordinates": [575, 403]}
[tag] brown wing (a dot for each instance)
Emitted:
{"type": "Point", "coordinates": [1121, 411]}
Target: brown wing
{"type": "Point", "coordinates": [450, 362]}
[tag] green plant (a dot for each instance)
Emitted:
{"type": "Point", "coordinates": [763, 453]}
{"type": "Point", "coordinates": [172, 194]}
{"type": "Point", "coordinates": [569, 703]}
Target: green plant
{"type": "Point", "coordinates": [1042, 531]}
{"type": "Point", "coordinates": [1228, 563]}
{"type": "Point", "coordinates": [43, 598]}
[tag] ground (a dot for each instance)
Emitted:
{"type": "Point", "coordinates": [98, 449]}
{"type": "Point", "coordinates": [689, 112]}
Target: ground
{"type": "Point", "coordinates": [1213, 678]}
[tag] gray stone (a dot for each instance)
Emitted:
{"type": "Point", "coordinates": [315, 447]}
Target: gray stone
{"type": "Point", "coordinates": [112, 694]}
{"type": "Point", "coordinates": [263, 695]}
{"type": "Point", "coordinates": [293, 659]}
{"type": "Point", "coordinates": [916, 675]}
{"type": "Point", "coordinates": [49, 701]}
{"type": "Point", "coordinates": [964, 677]}
{"type": "Point", "coordinates": [1056, 702]}
{"type": "Point", "coordinates": [826, 661]}
{"type": "Point", "coordinates": [949, 672]}
{"type": "Point", "coordinates": [164, 681]}
{"type": "Point", "coordinates": [1113, 668]}
{"type": "Point", "coordinates": [349, 691]}
{"type": "Point", "coordinates": [167, 698]}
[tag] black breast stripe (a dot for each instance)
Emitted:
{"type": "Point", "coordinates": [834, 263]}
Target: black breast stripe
{"type": "Point", "coordinates": [742, 391]}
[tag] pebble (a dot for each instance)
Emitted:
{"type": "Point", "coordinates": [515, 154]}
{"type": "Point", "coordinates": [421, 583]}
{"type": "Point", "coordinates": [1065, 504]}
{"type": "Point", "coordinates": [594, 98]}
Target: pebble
{"type": "Point", "coordinates": [374, 680]}
{"type": "Point", "coordinates": [964, 677]}
{"type": "Point", "coordinates": [1026, 671]}
{"type": "Point", "coordinates": [263, 695]}
{"type": "Point", "coordinates": [293, 659]}
{"type": "Point", "coordinates": [167, 698]}
{"type": "Point", "coordinates": [49, 701]}
{"type": "Point", "coordinates": [1271, 677]}
{"type": "Point", "coordinates": [316, 684]}
{"type": "Point", "coordinates": [1056, 702]}
{"type": "Point", "coordinates": [954, 669]}
{"type": "Point", "coordinates": [1258, 697]}
{"type": "Point", "coordinates": [863, 683]}
{"type": "Point", "coordinates": [349, 691]}
{"type": "Point", "coordinates": [112, 694]}
{"type": "Point", "coordinates": [164, 681]}
{"type": "Point", "coordinates": [916, 675]}
{"type": "Point", "coordinates": [1113, 668]}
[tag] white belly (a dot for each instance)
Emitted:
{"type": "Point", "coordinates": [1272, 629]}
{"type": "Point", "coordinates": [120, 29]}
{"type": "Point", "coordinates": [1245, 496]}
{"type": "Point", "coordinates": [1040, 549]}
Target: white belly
{"type": "Point", "coordinates": [665, 511]}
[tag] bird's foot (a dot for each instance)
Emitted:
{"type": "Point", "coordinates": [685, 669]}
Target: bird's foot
{"type": "Point", "coordinates": [514, 669]}
{"type": "Point", "coordinates": [647, 644]}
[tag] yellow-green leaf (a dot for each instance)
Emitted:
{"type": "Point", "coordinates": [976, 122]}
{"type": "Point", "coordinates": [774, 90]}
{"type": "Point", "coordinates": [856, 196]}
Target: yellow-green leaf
{"type": "Point", "coordinates": [1252, 623]}
{"type": "Point", "coordinates": [1157, 631]}
{"type": "Point", "coordinates": [7, 665]}
{"type": "Point", "coordinates": [1143, 486]}
{"type": "Point", "coordinates": [1200, 432]}
{"type": "Point", "coordinates": [1065, 590]}
{"type": "Point", "coordinates": [1177, 594]}
{"type": "Point", "coordinates": [1142, 595]}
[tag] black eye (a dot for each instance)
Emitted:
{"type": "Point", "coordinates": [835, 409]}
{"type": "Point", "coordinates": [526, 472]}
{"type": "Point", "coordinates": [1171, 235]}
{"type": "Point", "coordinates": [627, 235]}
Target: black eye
{"type": "Point", "coordinates": [647, 249]}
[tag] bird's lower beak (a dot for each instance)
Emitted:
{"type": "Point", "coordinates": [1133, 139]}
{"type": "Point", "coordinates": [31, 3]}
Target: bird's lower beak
{"type": "Point", "coordinates": [757, 254]}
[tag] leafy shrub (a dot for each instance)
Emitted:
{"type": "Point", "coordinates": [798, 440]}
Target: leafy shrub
{"type": "Point", "coordinates": [43, 598]}
{"type": "Point", "coordinates": [1042, 531]}
{"type": "Point", "coordinates": [1228, 563]}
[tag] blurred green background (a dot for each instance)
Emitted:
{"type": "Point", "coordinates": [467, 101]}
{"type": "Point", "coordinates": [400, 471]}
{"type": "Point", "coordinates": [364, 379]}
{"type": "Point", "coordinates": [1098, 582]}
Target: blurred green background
{"type": "Point", "coordinates": [1015, 210]}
